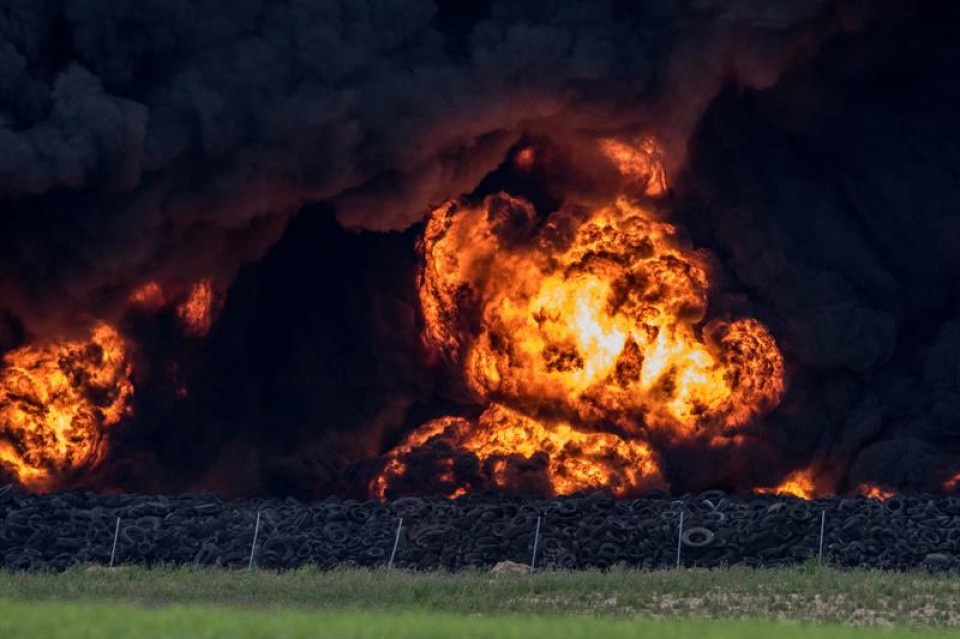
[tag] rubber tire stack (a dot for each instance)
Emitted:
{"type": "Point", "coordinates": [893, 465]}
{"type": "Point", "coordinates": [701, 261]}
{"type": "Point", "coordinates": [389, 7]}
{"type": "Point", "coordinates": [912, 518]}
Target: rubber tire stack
{"type": "Point", "coordinates": [56, 531]}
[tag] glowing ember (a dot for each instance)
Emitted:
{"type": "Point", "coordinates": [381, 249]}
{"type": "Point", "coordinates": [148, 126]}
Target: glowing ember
{"type": "Point", "coordinates": [197, 312]}
{"type": "Point", "coordinates": [196, 305]}
{"type": "Point", "coordinates": [590, 320]}
{"type": "Point", "coordinates": [800, 484]}
{"type": "Point", "coordinates": [149, 296]}
{"type": "Point", "coordinates": [525, 158]}
{"type": "Point", "coordinates": [57, 402]}
{"type": "Point", "coordinates": [875, 491]}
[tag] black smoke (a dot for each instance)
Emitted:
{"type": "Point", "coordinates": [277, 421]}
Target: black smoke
{"type": "Point", "coordinates": [812, 147]}
{"type": "Point", "coordinates": [833, 200]}
{"type": "Point", "coordinates": [173, 139]}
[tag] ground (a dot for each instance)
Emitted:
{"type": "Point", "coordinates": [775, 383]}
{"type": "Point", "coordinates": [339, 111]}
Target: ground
{"type": "Point", "coordinates": [731, 603]}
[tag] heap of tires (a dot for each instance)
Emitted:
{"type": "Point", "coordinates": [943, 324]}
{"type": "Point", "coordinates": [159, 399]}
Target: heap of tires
{"type": "Point", "coordinates": [56, 531]}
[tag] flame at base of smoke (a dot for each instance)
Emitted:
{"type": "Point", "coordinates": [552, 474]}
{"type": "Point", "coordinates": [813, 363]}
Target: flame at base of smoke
{"type": "Point", "coordinates": [801, 483]}
{"type": "Point", "coordinates": [56, 403]}
{"type": "Point", "coordinates": [506, 450]}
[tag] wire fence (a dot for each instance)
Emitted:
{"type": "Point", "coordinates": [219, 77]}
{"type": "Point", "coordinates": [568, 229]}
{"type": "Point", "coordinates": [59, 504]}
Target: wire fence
{"type": "Point", "coordinates": [42, 533]}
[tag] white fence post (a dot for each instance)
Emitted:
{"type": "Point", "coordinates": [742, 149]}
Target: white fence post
{"type": "Point", "coordinates": [116, 536]}
{"type": "Point", "coordinates": [823, 525]}
{"type": "Point", "coordinates": [253, 547]}
{"type": "Point", "coordinates": [536, 542]}
{"type": "Point", "coordinates": [396, 541]}
{"type": "Point", "coordinates": [680, 538]}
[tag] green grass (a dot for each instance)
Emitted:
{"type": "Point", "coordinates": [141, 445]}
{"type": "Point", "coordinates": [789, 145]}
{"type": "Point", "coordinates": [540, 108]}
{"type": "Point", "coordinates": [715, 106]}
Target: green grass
{"type": "Point", "coordinates": [798, 594]}
{"type": "Point", "coordinates": [63, 620]}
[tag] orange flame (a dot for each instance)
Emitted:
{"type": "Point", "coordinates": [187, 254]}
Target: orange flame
{"type": "Point", "coordinates": [525, 158]}
{"type": "Point", "coordinates": [800, 483]}
{"type": "Point", "coordinates": [592, 319]}
{"type": "Point", "coordinates": [149, 296]}
{"type": "Point", "coordinates": [640, 162]}
{"type": "Point", "coordinates": [875, 491]}
{"type": "Point", "coordinates": [196, 306]}
{"type": "Point", "coordinates": [575, 460]}
{"type": "Point", "coordinates": [610, 326]}
{"type": "Point", "coordinates": [57, 402]}
{"type": "Point", "coordinates": [197, 312]}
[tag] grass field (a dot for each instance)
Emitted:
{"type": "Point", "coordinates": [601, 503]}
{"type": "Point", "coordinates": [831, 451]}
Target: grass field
{"type": "Point", "coordinates": [720, 604]}
{"type": "Point", "coordinates": [93, 621]}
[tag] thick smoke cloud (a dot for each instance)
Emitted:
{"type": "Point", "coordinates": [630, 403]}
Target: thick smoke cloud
{"type": "Point", "coordinates": [812, 146]}
{"type": "Point", "coordinates": [833, 199]}
{"type": "Point", "coordinates": [174, 139]}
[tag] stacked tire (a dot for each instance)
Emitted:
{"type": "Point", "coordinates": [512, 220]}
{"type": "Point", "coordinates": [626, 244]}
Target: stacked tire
{"type": "Point", "coordinates": [56, 531]}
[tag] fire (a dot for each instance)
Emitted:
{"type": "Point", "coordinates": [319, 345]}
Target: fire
{"type": "Point", "coordinates": [640, 162]}
{"type": "Point", "coordinates": [875, 491]}
{"type": "Point", "coordinates": [149, 296]}
{"type": "Point", "coordinates": [606, 326]}
{"type": "Point", "coordinates": [505, 441]}
{"type": "Point", "coordinates": [57, 402]}
{"type": "Point", "coordinates": [525, 158]}
{"type": "Point", "coordinates": [196, 313]}
{"type": "Point", "coordinates": [800, 483]}
{"type": "Point", "coordinates": [196, 305]}
{"type": "Point", "coordinates": [585, 323]}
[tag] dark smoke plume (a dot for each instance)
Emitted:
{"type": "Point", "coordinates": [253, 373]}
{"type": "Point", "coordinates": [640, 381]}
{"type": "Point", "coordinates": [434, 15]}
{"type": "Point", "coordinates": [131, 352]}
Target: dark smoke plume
{"type": "Point", "coordinates": [173, 139]}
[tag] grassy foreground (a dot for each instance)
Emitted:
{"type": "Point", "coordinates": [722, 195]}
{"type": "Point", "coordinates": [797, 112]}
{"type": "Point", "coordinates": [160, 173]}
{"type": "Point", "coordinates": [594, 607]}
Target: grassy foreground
{"type": "Point", "coordinates": [134, 602]}
{"type": "Point", "coordinates": [62, 621]}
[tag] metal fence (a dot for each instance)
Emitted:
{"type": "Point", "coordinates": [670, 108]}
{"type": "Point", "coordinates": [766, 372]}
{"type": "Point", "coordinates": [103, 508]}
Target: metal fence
{"type": "Point", "coordinates": [54, 532]}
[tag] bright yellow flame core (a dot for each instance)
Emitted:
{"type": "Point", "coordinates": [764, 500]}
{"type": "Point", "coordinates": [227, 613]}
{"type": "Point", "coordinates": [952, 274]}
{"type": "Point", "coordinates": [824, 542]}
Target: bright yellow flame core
{"type": "Point", "coordinates": [56, 402]}
{"type": "Point", "coordinates": [605, 325]}
{"type": "Point", "coordinates": [590, 320]}
{"type": "Point", "coordinates": [800, 483]}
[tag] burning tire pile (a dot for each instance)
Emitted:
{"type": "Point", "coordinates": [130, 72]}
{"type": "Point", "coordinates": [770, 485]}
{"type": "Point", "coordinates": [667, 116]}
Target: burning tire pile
{"type": "Point", "coordinates": [54, 532]}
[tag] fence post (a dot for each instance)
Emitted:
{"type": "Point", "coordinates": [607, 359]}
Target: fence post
{"type": "Point", "coordinates": [396, 541]}
{"type": "Point", "coordinates": [536, 542]}
{"type": "Point", "coordinates": [823, 525]}
{"type": "Point", "coordinates": [116, 536]}
{"type": "Point", "coordinates": [680, 538]}
{"type": "Point", "coordinates": [253, 547]}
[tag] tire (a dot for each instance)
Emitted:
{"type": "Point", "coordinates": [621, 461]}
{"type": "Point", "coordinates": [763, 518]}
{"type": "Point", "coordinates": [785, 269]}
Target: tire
{"type": "Point", "coordinates": [698, 537]}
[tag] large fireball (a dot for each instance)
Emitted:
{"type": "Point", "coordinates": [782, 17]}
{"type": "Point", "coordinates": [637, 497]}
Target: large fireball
{"type": "Point", "coordinates": [589, 323]}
